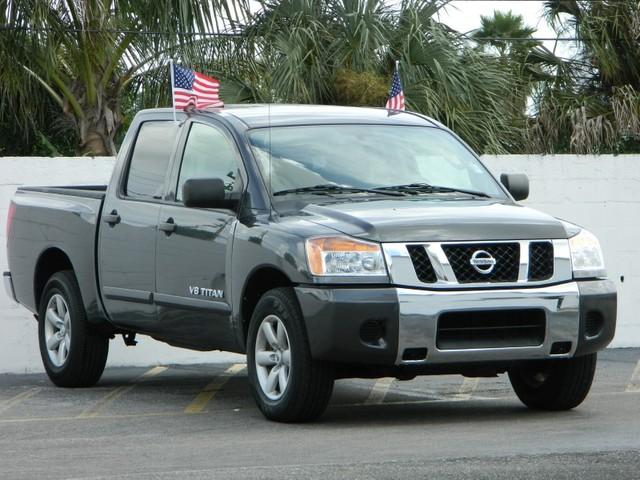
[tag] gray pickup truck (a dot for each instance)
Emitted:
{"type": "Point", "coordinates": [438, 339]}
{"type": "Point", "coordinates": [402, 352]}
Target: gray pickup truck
{"type": "Point", "coordinates": [323, 242]}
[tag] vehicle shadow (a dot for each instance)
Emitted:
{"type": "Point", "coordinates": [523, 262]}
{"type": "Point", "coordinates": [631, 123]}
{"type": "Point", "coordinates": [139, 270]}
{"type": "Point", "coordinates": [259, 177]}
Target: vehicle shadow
{"type": "Point", "coordinates": [429, 413]}
{"type": "Point", "coordinates": [431, 405]}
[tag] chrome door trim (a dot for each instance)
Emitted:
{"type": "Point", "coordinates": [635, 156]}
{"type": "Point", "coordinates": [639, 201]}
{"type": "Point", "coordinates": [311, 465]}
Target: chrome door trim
{"type": "Point", "coordinates": [127, 294]}
{"type": "Point", "coordinates": [167, 300]}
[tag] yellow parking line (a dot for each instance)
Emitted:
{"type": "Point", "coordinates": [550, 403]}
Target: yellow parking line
{"type": "Point", "coordinates": [467, 388]}
{"type": "Point", "coordinates": [90, 419]}
{"type": "Point", "coordinates": [113, 395]}
{"type": "Point", "coordinates": [204, 397]}
{"type": "Point", "coordinates": [379, 391]}
{"type": "Point", "coordinates": [634, 381]}
{"type": "Point", "coordinates": [13, 401]}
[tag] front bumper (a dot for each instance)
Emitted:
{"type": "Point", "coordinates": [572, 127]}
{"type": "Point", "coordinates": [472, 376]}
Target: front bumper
{"type": "Point", "coordinates": [342, 321]}
{"type": "Point", "coordinates": [8, 286]}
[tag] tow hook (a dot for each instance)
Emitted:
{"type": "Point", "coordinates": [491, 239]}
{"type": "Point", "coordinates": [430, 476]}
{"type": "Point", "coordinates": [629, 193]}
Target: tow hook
{"type": "Point", "coordinates": [129, 339]}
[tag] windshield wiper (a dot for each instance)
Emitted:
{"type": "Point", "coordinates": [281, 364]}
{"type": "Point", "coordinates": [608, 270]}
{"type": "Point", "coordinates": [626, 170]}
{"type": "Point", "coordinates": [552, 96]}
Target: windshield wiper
{"type": "Point", "coordinates": [416, 188]}
{"type": "Point", "coordinates": [328, 188]}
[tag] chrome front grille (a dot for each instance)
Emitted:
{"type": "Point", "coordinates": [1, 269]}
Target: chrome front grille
{"type": "Point", "coordinates": [422, 264]}
{"type": "Point", "coordinates": [540, 260]}
{"type": "Point", "coordinates": [506, 256]}
{"type": "Point", "coordinates": [477, 264]}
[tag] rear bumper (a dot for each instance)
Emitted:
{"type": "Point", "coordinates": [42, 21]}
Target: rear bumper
{"type": "Point", "coordinates": [8, 286]}
{"type": "Point", "coordinates": [341, 322]}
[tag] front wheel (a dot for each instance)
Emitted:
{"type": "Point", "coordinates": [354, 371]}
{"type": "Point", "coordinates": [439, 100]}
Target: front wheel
{"type": "Point", "coordinates": [287, 384]}
{"type": "Point", "coordinates": [72, 353]}
{"type": "Point", "coordinates": [554, 384]}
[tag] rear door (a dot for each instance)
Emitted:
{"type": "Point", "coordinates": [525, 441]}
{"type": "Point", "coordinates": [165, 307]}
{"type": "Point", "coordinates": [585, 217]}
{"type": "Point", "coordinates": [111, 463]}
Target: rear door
{"type": "Point", "coordinates": [192, 261]}
{"type": "Point", "coordinates": [127, 239]}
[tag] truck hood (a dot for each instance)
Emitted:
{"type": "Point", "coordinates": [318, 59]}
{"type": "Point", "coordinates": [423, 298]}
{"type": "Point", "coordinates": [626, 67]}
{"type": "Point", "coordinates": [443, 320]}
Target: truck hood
{"type": "Point", "coordinates": [421, 220]}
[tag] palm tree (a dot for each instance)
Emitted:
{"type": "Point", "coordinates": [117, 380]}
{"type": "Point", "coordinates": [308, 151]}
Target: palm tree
{"type": "Point", "coordinates": [506, 35]}
{"type": "Point", "coordinates": [84, 53]}
{"type": "Point", "coordinates": [91, 58]}
{"type": "Point", "coordinates": [507, 26]}
{"type": "Point", "coordinates": [344, 51]}
{"type": "Point", "coordinates": [594, 106]}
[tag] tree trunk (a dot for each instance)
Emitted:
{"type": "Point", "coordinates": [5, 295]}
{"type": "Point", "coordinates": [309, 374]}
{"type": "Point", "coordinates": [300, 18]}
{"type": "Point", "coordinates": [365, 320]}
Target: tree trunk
{"type": "Point", "coordinates": [97, 131]}
{"type": "Point", "coordinates": [100, 119]}
{"type": "Point", "coordinates": [94, 145]}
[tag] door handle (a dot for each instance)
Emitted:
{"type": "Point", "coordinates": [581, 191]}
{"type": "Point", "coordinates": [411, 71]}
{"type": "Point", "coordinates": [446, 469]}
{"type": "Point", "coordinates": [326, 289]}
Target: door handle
{"type": "Point", "coordinates": [112, 218]}
{"type": "Point", "coordinates": [168, 227]}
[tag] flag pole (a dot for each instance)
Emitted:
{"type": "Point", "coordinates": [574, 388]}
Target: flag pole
{"type": "Point", "coordinates": [398, 70]}
{"type": "Point", "coordinates": [173, 99]}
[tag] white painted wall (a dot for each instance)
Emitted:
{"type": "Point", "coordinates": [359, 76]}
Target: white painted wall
{"type": "Point", "coordinates": [601, 193]}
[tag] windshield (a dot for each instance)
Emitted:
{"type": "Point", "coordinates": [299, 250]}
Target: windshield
{"type": "Point", "coordinates": [367, 157]}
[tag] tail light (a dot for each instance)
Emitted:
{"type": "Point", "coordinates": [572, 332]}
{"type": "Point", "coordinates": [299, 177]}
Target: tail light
{"type": "Point", "coordinates": [12, 211]}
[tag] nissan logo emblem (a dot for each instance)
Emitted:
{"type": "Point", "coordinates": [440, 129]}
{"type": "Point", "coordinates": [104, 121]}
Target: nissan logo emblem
{"type": "Point", "coordinates": [483, 262]}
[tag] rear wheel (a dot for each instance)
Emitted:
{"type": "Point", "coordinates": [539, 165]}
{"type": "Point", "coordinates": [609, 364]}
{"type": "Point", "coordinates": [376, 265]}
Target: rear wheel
{"type": "Point", "coordinates": [72, 353]}
{"type": "Point", "coordinates": [287, 384]}
{"type": "Point", "coordinates": [554, 384]}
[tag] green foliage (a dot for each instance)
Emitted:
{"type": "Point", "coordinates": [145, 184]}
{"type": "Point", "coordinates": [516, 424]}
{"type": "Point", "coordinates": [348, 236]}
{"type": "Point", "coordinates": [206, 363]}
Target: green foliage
{"type": "Point", "coordinates": [360, 88]}
{"type": "Point", "coordinates": [592, 104]}
{"type": "Point", "coordinates": [297, 51]}
{"type": "Point", "coordinates": [343, 52]}
{"type": "Point", "coordinates": [44, 133]}
{"type": "Point", "coordinates": [508, 26]}
{"type": "Point", "coordinates": [82, 54]}
{"type": "Point", "coordinates": [76, 82]}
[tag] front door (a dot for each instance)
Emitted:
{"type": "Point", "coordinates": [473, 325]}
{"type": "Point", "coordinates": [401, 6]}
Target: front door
{"type": "Point", "coordinates": [192, 292]}
{"type": "Point", "coordinates": [127, 238]}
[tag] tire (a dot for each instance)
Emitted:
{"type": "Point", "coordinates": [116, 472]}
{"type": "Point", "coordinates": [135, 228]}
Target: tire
{"type": "Point", "coordinates": [308, 384]}
{"type": "Point", "coordinates": [554, 384]}
{"type": "Point", "coordinates": [86, 351]}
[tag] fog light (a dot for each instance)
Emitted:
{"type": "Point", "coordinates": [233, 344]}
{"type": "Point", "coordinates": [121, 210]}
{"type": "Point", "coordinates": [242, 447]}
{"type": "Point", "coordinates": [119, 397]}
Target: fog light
{"type": "Point", "coordinates": [560, 348]}
{"type": "Point", "coordinates": [414, 354]}
{"type": "Point", "coordinates": [372, 333]}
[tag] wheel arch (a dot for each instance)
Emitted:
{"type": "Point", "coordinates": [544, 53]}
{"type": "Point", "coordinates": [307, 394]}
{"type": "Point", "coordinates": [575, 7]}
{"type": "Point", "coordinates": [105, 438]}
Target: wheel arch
{"type": "Point", "coordinates": [51, 261]}
{"type": "Point", "coordinates": [259, 281]}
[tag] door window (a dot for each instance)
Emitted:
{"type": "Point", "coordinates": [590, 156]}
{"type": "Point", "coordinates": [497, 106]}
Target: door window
{"type": "Point", "coordinates": [208, 154]}
{"type": "Point", "coordinates": [150, 159]}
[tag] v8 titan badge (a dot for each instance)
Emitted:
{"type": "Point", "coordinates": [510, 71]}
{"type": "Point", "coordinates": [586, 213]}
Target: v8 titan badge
{"type": "Point", "coordinates": [205, 292]}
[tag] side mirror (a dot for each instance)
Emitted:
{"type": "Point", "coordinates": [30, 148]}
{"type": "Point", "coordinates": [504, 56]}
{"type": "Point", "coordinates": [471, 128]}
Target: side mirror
{"type": "Point", "coordinates": [204, 193]}
{"type": "Point", "coordinates": [517, 184]}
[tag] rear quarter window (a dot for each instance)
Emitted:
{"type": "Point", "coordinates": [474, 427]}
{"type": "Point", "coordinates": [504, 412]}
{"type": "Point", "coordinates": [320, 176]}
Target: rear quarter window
{"type": "Point", "coordinates": [150, 159]}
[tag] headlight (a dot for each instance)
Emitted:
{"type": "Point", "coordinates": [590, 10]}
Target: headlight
{"type": "Point", "coordinates": [586, 256]}
{"type": "Point", "coordinates": [344, 256]}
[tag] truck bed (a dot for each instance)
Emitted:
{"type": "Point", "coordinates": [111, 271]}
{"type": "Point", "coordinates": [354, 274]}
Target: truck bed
{"type": "Point", "coordinates": [53, 224]}
{"type": "Point", "coordinates": [86, 191]}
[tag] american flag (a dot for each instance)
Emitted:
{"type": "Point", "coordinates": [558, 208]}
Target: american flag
{"type": "Point", "coordinates": [396, 95]}
{"type": "Point", "coordinates": [194, 89]}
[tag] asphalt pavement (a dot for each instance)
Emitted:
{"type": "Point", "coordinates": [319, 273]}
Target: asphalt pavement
{"type": "Point", "coordinates": [199, 421]}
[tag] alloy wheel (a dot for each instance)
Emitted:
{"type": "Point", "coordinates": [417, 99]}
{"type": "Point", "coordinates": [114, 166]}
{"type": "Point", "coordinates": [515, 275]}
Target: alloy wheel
{"type": "Point", "coordinates": [273, 357]}
{"type": "Point", "coordinates": [57, 330]}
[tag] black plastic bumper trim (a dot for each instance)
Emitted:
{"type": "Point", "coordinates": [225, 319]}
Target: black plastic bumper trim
{"type": "Point", "coordinates": [596, 296]}
{"type": "Point", "coordinates": [334, 318]}
{"type": "Point", "coordinates": [8, 286]}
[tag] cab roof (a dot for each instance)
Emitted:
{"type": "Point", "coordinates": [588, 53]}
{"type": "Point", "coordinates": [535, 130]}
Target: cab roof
{"type": "Point", "coordinates": [263, 115]}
